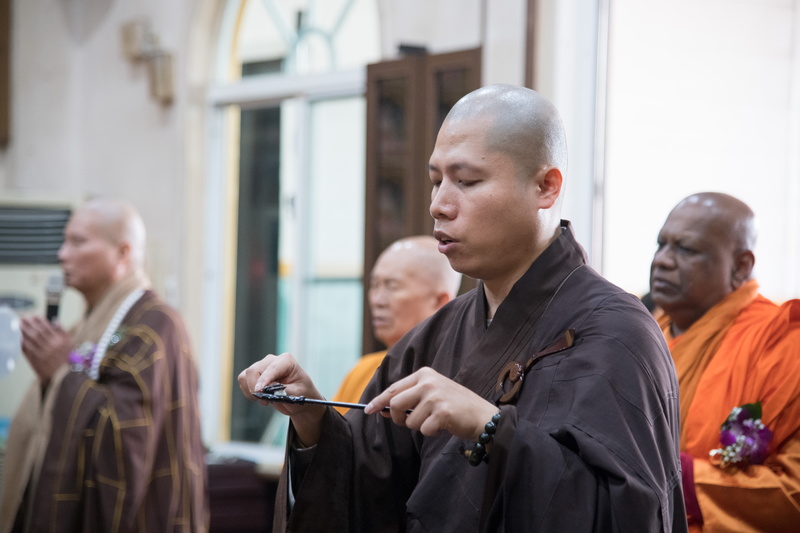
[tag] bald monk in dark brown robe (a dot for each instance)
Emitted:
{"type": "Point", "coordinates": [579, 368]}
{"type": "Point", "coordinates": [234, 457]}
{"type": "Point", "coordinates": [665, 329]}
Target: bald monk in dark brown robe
{"type": "Point", "coordinates": [108, 438]}
{"type": "Point", "coordinates": [577, 370]}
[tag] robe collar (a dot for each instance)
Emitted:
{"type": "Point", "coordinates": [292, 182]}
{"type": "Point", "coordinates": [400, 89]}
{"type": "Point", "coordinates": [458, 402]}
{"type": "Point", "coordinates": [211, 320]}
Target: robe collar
{"type": "Point", "coordinates": [514, 324]}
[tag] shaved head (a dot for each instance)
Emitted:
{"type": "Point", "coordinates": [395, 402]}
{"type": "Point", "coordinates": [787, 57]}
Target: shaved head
{"type": "Point", "coordinates": [733, 218]}
{"type": "Point", "coordinates": [705, 252]}
{"type": "Point", "coordinates": [119, 222]}
{"type": "Point", "coordinates": [103, 243]}
{"type": "Point", "coordinates": [432, 267]}
{"type": "Point", "coordinates": [410, 281]}
{"type": "Point", "coordinates": [497, 175]}
{"type": "Point", "coordinates": [523, 124]}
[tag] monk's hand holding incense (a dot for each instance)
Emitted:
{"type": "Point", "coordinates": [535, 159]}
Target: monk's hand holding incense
{"type": "Point", "coordinates": [437, 403]}
{"type": "Point", "coordinates": [286, 370]}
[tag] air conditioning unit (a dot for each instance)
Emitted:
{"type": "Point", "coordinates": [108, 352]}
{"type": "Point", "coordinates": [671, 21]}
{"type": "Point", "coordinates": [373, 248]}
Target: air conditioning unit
{"type": "Point", "coordinates": [31, 232]}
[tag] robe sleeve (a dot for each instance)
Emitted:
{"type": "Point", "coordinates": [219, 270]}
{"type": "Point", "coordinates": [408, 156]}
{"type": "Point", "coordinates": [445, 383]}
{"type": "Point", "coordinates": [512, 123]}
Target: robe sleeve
{"type": "Point", "coordinates": [758, 498]}
{"type": "Point", "coordinates": [571, 466]}
{"type": "Point", "coordinates": [324, 492]}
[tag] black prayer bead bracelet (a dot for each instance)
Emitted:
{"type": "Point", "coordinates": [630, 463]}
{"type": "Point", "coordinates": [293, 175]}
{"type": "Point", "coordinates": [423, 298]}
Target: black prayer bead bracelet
{"type": "Point", "coordinates": [478, 454]}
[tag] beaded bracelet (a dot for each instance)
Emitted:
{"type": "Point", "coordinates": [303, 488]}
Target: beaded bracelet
{"type": "Point", "coordinates": [478, 454]}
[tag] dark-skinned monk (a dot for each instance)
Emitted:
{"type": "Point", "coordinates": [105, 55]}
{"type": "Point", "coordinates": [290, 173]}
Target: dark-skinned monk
{"type": "Point", "coordinates": [732, 347]}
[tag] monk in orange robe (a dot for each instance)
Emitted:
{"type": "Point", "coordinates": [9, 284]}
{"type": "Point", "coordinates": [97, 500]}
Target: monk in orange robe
{"type": "Point", "coordinates": [731, 347]}
{"type": "Point", "coordinates": [410, 281]}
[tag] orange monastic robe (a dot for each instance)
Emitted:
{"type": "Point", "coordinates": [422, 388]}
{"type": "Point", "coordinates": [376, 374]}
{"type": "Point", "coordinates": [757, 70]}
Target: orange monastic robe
{"type": "Point", "coordinates": [744, 349]}
{"type": "Point", "coordinates": [357, 379]}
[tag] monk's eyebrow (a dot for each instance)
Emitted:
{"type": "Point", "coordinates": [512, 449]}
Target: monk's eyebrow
{"type": "Point", "coordinates": [458, 166]}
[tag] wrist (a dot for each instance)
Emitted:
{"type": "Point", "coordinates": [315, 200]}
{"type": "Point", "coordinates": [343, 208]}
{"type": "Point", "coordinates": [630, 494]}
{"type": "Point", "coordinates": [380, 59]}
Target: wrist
{"type": "Point", "coordinates": [308, 425]}
{"type": "Point", "coordinates": [480, 452]}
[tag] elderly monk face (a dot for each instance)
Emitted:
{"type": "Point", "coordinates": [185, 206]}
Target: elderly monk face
{"type": "Point", "coordinates": [401, 294]}
{"type": "Point", "coordinates": [485, 209]}
{"type": "Point", "coordinates": [89, 258]}
{"type": "Point", "coordinates": [694, 264]}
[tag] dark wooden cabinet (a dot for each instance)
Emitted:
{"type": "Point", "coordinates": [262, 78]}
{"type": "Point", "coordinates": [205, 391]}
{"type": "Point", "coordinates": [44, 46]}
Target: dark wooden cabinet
{"type": "Point", "coordinates": [240, 499]}
{"type": "Point", "coordinates": [407, 101]}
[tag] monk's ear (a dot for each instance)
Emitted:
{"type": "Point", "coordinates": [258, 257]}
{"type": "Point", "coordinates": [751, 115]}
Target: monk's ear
{"type": "Point", "coordinates": [441, 298]}
{"type": "Point", "coordinates": [742, 268]}
{"type": "Point", "coordinates": [124, 252]}
{"type": "Point", "coordinates": [549, 186]}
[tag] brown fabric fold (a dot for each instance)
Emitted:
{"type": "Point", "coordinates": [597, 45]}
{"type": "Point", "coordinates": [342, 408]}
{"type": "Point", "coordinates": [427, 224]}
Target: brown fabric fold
{"type": "Point", "coordinates": [29, 432]}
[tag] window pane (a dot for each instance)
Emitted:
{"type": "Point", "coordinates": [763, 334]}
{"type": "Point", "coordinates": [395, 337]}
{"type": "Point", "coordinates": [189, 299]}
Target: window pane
{"type": "Point", "coordinates": [271, 254]}
{"type": "Point", "coordinates": [303, 36]}
{"type": "Point", "coordinates": [333, 284]}
{"type": "Point", "coordinates": [257, 272]}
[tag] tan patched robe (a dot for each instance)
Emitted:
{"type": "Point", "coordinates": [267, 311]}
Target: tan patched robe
{"type": "Point", "coordinates": [124, 453]}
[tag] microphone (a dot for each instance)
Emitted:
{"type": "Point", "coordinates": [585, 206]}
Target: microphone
{"type": "Point", "coordinates": [52, 292]}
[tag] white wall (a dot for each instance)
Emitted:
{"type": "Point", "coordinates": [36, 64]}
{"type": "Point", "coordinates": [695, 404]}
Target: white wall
{"type": "Point", "coordinates": [83, 122]}
{"type": "Point", "coordinates": [430, 23]}
{"type": "Point", "coordinates": [703, 95]}
{"type": "Point", "coordinates": [566, 73]}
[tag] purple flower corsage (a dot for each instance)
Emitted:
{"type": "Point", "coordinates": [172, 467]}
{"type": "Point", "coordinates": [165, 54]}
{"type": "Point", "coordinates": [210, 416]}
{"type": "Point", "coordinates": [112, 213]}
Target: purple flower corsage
{"type": "Point", "coordinates": [744, 438]}
{"type": "Point", "coordinates": [80, 359]}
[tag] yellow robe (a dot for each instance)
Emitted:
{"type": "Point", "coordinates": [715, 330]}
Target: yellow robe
{"type": "Point", "coordinates": [743, 350]}
{"type": "Point", "coordinates": [356, 380]}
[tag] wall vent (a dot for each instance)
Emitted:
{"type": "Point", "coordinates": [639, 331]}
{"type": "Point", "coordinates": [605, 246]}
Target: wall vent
{"type": "Point", "coordinates": [31, 235]}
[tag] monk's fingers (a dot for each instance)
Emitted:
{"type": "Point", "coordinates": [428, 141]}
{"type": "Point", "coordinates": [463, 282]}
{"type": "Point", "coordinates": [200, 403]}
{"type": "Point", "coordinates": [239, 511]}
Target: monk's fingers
{"type": "Point", "coordinates": [401, 404]}
{"type": "Point", "coordinates": [32, 331]}
{"type": "Point", "coordinates": [385, 398]}
{"type": "Point", "coordinates": [422, 419]}
{"type": "Point", "coordinates": [412, 393]}
{"type": "Point", "coordinates": [29, 348]}
{"type": "Point", "coordinates": [57, 342]}
{"type": "Point", "coordinates": [250, 377]}
{"type": "Point", "coordinates": [283, 369]}
{"type": "Point", "coordinates": [434, 423]}
{"type": "Point", "coordinates": [34, 344]}
{"type": "Point", "coordinates": [445, 405]}
{"type": "Point", "coordinates": [432, 402]}
{"type": "Point", "coordinates": [49, 340]}
{"type": "Point", "coordinates": [35, 325]}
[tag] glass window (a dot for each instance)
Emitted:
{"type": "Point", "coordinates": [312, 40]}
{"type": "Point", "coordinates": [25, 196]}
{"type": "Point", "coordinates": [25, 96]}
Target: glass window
{"type": "Point", "coordinates": [291, 167]}
{"type": "Point", "coordinates": [299, 259]}
{"type": "Point", "coordinates": [307, 36]}
{"type": "Point", "coordinates": [332, 283]}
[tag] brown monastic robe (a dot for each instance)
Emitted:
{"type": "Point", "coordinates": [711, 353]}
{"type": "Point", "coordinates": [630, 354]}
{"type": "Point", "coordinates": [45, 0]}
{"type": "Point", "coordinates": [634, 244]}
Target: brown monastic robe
{"type": "Point", "coordinates": [125, 453]}
{"type": "Point", "coordinates": [590, 443]}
